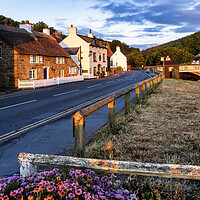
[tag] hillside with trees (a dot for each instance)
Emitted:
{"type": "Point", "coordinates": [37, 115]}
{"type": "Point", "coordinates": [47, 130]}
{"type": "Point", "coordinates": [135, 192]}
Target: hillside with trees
{"type": "Point", "coordinates": [8, 21]}
{"type": "Point", "coordinates": [182, 50]}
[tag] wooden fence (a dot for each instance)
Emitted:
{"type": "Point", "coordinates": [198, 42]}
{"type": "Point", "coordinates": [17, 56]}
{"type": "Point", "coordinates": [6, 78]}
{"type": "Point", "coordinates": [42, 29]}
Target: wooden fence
{"type": "Point", "coordinates": [78, 119]}
{"type": "Point", "coordinates": [28, 164]}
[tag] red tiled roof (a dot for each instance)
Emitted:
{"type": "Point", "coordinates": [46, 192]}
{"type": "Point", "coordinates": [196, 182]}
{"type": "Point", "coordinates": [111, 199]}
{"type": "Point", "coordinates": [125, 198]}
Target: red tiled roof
{"type": "Point", "coordinates": [93, 41]}
{"type": "Point", "coordinates": [34, 43]}
{"type": "Point", "coordinates": [109, 52]}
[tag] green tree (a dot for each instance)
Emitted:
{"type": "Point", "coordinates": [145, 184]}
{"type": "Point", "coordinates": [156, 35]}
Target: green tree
{"type": "Point", "coordinates": [8, 21]}
{"type": "Point", "coordinates": [39, 26]}
{"type": "Point", "coordinates": [135, 59]}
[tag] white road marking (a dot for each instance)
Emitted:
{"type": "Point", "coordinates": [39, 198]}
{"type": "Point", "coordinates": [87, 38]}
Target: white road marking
{"type": "Point", "coordinates": [93, 86]}
{"type": "Point", "coordinates": [7, 134]}
{"type": "Point", "coordinates": [110, 82]}
{"type": "Point", "coordinates": [18, 104]}
{"type": "Point", "coordinates": [66, 93]}
{"type": "Point", "coordinates": [50, 118]}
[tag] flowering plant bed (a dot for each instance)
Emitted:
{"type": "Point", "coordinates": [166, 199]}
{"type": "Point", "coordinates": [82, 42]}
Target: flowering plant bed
{"type": "Point", "coordinates": [76, 184]}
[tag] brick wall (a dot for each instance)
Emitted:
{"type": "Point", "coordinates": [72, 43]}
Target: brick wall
{"type": "Point", "coordinates": [6, 67]}
{"type": "Point", "coordinates": [23, 67]}
{"type": "Point", "coordinates": [14, 66]}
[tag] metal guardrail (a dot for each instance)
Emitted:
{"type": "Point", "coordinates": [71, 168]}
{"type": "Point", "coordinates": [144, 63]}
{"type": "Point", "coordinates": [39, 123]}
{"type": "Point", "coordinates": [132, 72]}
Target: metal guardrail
{"type": "Point", "coordinates": [78, 120]}
{"type": "Point", "coordinates": [28, 164]}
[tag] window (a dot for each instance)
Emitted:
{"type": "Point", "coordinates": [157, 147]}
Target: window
{"type": "Point", "coordinates": [100, 57]}
{"type": "Point", "coordinates": [104, 57]}
{"type": "Point", "coordinates": [85, 71]}
{"type": "Point", "coordinates": [75, 70]}
{"type": "Point", "coordinates": [60, 60]}
{"type": "Point", "coordinates": [41, 59]}
{"type": "Point", "coordinates": [35, 59]}
{"type": "Point", "coordinates": [61, 73]}
{"type": "Point", "coordinates": [95, 71]}
{"type": "Point", "coordinates": [94, 57]}
{"type": "Point", "coordinates": [0, 52]}
{"type": "Point", "coordinates": [71, 70]}
{"type": "Point", "coordinates": [32, 73]}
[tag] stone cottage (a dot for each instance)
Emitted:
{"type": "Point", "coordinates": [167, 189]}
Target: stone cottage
{"type": "Point", "coordinates": [26, 54]}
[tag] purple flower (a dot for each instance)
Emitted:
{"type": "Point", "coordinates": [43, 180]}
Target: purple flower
{"type": "Point", "coordinates": [104, 179]}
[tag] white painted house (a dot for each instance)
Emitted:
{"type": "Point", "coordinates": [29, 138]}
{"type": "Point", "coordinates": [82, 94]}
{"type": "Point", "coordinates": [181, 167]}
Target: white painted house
{"type": "Point", "coordinates": [93, 52]}
{"type": "Point", "coordinates": [119, 59]}
{"type": "Point", "coordinates": [75, 53]}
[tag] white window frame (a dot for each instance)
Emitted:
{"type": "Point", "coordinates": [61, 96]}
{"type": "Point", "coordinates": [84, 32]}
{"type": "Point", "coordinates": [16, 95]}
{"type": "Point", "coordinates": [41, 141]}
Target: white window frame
{"type": "Point", "coordinates": [32, 73]}
{"type": "Point", "coordinates": [75, 70]}
{"type": "Point", "coordinates": [71, 70]}
{"type": "Point", "coordinates": [41, 59]}
{"type": "Point", "coordinates": [60, 60]}
{"type": "Point", "coordinates": [61, 73]}
{"type": "Point", "coordinates": [0, 51]}
{"type": "Point", "coordinates": [34, 59]}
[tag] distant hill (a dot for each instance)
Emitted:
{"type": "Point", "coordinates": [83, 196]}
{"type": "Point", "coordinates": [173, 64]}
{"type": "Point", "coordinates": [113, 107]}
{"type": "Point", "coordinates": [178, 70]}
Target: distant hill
{"type": "Point", "coordinates": [189, 43]}
{"type": "Point", "coordinates": [182, 50]}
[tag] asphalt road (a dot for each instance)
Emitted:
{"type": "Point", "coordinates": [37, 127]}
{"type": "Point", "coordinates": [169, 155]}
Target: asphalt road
{"type": "Point", "coordinates": [29, 109]}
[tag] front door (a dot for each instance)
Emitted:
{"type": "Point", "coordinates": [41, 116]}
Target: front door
{"type": "Point", "coordinates": [45, 73]}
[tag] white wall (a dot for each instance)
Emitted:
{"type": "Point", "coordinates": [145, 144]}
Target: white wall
{"type": "Point", "coordinates": [119, 59]}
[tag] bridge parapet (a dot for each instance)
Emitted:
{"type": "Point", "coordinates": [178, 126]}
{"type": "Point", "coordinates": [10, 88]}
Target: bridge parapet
{"type": "Point", "coordinates": [189, 68]}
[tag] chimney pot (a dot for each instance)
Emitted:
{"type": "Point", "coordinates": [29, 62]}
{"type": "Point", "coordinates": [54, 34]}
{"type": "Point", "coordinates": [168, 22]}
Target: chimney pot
{"type": "Point", "coordinates": [26, 25]}
{"type": "Point", "coordinates": [72, 30]}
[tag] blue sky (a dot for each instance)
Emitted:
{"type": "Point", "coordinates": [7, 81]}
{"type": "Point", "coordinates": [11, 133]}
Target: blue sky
{"type": "Point", "coordinates": [140, 23]}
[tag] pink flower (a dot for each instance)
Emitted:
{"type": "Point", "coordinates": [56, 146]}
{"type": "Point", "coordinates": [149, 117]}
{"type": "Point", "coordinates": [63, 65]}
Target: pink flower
{"type": "Point", "coordinates": [5, 197]}
{"type": "Point", "coordinates": [13, 193]}
{"type": "Point", "coordinates": [78, 192]}
{"type": "Point", "coordinates": [71, 195]}
{"type": "Point", "coordinates": [50, 189]}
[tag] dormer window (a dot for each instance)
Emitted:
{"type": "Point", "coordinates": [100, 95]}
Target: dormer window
{"type": "Point", "coordinates": [0, 51]}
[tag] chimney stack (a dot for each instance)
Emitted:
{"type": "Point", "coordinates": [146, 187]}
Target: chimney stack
{"type": "Point", "coordinates": [117, 48]}
{"type": "Point", "coordinates": [26, 25]}
{"type": "Point", "coordinates": [90, 34]}
{"type": "Point", "coordinates": [46, 30]}
{"type": "Point", "coordinates": [72, 30]}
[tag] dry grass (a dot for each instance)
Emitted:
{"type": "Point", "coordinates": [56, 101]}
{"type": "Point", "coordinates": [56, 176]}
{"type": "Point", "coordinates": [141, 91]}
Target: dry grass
{"type": "Point", "coordinates": [163, 129]}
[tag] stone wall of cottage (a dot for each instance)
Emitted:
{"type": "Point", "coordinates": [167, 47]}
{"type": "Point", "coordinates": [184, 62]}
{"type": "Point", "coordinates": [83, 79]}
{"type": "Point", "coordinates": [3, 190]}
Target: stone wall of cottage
{"type": "Point", "coordinates": [6, 67]}
{"type": "Point", "coordinates": [23, 67]}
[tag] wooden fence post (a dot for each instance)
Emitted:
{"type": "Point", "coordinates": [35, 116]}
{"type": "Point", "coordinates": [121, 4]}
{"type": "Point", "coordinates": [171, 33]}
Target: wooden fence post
{"type": "Point", "coordinates": [127, 102]}
{"type": "Point", "coordinates": [137, 94]}
{"type": "Point", "coordinates": [79, 134]}
{"type": "Point", "coordinates": [111, 114]}
{"type": "Point", "coordinates": [143, 89]}
{"type": "Point", "coordinates": [26, 167]}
